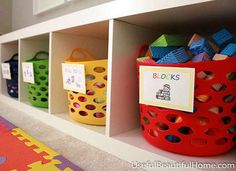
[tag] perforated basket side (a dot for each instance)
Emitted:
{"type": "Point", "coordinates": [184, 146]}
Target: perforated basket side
{"type": "Point", "coordinates": [211, 128]}
{"type": "Point", "coordinates": [90, 108]}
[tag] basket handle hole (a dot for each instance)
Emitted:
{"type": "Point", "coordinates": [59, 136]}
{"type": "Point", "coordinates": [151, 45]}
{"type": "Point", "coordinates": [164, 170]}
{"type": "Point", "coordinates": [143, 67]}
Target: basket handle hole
{"type": "Point", "coordinates": [203, 98]}
{"type": "Point", "coordinates": [232, 129]}
{"type": "Point", "coordinates": [212, 131]}
{"type": "Point", "coordinates": [173, 138]}
{"type": "Point", "coordinates": [83, 113]}
{"type": "Point", "coordinates": [231, 76]}
{"type": "Point", "coordinates": [205, 75]}
{"type": "Point", "coordinates": [82, 99]}
{"type": "Point", "coordinates": [221, 141]}
{"type": "Point", "coordinates": [90, 107]}
{"type": "Point", "coordinates": [104, 108]}
{"type": "Point", "coordinates": [228, 98]}
{"type": "Point", "coordinates": [174, 118]}
{"type": "Point", "coordinates": [216, 109]}
{"type": "Point", "coordinates": [99, 100]}
{"type": "Point", "coordinates": [234, 138]}
{"type": "Point", "coordinates": [146, 121]}
{"type": "Point", "coordinates": [153, 133]}
{"type": "Point", "coordinates": [44, 99]}
{"type": "Point", "coordinates": [43, 89]}
{"type": "Point", "coordinates": [218, 87]}
{"type": "Point", "coordinates": [99, 85]}
{"type": "Point", "coordinates": [42, 67]}
{"type": "Point", "coordinates": [72, 110]}
{"type": "Point", "coordinates": [90, 92]}
{"type": "Point", "coordinates": [99, 69]}
{"type": "Point", "coordinates": [162, 126]}
{"type": "Point", "coordinates": [90, 77]}
{"type": "Point", "coordinates": [226, 120]}
{"type": "Point", "coordinates": [185, 130]}
{"type": "Point", "coordinates": [71, 97]}
{"type": "Point", "coordinates": [76, 105]}
{"type": "Point", "coordinates": [152, 114]}
{"type": "Point", "coordinates": [105, 77]}
{"type": "Point", "coordinates": [98, 115]}
{"type": "Point", "coordinates": [43, 78]}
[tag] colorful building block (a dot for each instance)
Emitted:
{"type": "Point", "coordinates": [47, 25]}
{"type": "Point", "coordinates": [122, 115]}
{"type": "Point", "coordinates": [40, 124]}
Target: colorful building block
{"type": "Point", "coordinates": [201, 57]}
{"type": "Point", "coordinates": [229, 50]}
{"type": "Point", "coordinates": [218, 57]}
{"type": "Point", "coordinates": [175, 57]}
{"type": "Point", "coordinates": [194, 38]}
{"type": "Point", "coordinates": [159, 52]}
{"type": "Point", "coordinates": [222, 38]}
{"type": "Point", "coordinates": [168, 40]}
{"type": "Point", "coordinates": [200, 46]}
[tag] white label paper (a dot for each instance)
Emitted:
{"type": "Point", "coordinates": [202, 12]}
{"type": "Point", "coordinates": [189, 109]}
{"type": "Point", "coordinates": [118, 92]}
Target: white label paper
{"type": "Point", "coordinates": [74, 77]}
{"type": "Point", "coordinates": [6, 72]}
{"type": "Point", "coordinates": [28, 72]}
{"type": "Point", "coordinates": [169, 87]}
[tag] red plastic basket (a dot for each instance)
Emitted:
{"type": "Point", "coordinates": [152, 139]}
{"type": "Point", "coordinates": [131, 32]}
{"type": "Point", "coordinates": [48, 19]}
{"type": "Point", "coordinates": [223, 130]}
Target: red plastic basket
{"type": "Point", "coordinates": [211, 128]}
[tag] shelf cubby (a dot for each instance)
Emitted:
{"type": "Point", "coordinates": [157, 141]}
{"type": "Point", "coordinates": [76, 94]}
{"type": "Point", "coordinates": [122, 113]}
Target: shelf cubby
{"type": "Point", "coordinates": [28, 47]}
{"type": "Point", "coordinates": [8, 49]}
{"type": "Point", "coordinates": [93, 38]}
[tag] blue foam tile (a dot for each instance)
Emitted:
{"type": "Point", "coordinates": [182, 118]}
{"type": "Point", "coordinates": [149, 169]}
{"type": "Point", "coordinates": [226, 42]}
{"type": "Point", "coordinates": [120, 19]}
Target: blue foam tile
{"type": "Point", "coordinates": [229, 50]}
{"type": "Point", "coordinates": [222, 38]}
{"type": "Point", "coordinates": [175, 57]}
{"type": "Point", "coordinates": [159, 52]}
{"type": "Point", "coordinates": [201, 46]}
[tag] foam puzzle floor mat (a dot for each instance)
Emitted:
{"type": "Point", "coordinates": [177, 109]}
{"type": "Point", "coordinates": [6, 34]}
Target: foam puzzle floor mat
{"type": "Point", "coordinates": [20, 152]}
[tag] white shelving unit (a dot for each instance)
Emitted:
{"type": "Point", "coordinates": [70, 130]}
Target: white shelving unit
{"type": "Point", "coordinates": [115, 34]}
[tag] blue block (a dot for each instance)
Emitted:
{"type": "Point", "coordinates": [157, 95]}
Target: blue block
{"type": "Point", "coordinates": [159, 52]}
{"type": "Point", "coordinates": [229, 50]}
{"type": "Point", "coordinates": [175, 57]}
{"type": "Point", "coordinates": [201, 46]}
{"type": "Point", "coordinates": [222, 38]}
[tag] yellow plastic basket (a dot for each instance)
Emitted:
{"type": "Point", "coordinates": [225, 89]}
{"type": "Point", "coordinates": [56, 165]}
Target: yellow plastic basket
{"type": "Point", "coordinates": [89, 108]}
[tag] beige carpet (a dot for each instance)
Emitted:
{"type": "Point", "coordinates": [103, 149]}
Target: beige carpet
{"type": "Point", "coordinates": [86, 156]}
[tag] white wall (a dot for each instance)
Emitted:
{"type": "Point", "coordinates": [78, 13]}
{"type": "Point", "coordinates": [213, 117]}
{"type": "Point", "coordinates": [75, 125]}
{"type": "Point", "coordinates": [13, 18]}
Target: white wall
{"type": "Point", "coordinates": [22, 11]}
{"type": "Point", "coordinates": [5, 16]}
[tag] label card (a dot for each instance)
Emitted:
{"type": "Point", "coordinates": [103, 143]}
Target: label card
{"type": "Point", "coordinates": [74, 77]}
{"type": "Point", "coordinates": [6, 72]}
{"type": "Point", "coordinates": [28, 72]}
{"type": "Point", "coordinates": [169, 87]}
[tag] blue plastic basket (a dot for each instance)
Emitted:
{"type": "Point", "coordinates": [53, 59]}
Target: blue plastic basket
{"type": "Point", "coordinates": [12, 85]}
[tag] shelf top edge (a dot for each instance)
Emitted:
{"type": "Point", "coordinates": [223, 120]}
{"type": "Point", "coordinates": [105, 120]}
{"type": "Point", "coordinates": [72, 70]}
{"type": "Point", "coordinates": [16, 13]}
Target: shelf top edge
{"type": "Point", "coordinates": [122, 8]}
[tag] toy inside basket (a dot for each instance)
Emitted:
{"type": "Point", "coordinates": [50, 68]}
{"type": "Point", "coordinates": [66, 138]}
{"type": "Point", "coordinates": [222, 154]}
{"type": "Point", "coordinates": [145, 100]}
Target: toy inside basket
{"type": "Point", "coordinates": [211, 128]}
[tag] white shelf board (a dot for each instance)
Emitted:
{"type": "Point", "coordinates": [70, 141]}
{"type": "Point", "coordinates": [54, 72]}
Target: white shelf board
{"type": "Point", "coordinates": [198, 16]}
{"type": "Point", "coordinates": [98, 129]}
{"type": "Point", "coordinates": [136, 139]}
{"type": "Point", "coordinates": [44, 110]}
{"type": "Point", "coordinates": [111, 10]}
{"type": "Point", "coordinates": [8, 96]}
{"type": "Point", "coordinates": [96, 30]}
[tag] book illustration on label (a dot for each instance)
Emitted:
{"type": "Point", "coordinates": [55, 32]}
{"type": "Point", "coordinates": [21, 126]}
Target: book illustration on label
{"type": "Point", "coordinates": [164, 94]}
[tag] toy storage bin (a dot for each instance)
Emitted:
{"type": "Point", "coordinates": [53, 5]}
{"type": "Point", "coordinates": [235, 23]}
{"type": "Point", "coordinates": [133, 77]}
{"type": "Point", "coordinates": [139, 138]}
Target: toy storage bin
{"type": "Point", "coordinates": [12, 85]}
{"type": "Point", "coordinates": [38, 92]}
{"type": "Point", "coordinates": [211, 128]}
{"type": "Point", "coordinates": [89, 108]}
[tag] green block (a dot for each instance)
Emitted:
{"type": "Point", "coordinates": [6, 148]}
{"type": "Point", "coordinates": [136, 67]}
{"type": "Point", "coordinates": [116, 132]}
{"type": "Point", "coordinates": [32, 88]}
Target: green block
{"type": "Point", "coordinates": [143, 58]}
{"type": "Point", "coordinates": [169, 40]}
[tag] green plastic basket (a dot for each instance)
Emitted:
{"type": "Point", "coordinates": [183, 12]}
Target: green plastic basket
{"type": "Point", "coordinates": [38, 92]}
